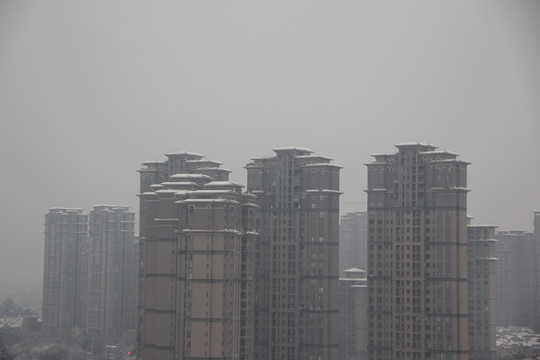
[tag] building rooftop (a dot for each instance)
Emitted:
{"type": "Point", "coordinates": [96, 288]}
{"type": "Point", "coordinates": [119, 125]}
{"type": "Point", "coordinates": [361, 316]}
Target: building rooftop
{"type": "Point", "coordinates": [178, 153]}
{"type": "Point", "coordinates": [292, 148]}
{"type": "Point", "coordinates": [415, 143]}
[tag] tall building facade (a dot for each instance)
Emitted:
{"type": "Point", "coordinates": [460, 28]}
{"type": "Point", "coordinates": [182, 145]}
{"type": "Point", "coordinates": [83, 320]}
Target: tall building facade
{"type": "Point", "coordinates": [64, 273]}
{"type": "Point", "coordinates": [353, 322]}
{"type": "Point", "coordinates": [417, 254]}
{"type": "Point", "coordinates": [197, 262]}
{"type": "Point", "coordinates": [536, 285]}
{"type": "Point", "coordinates": [296, 273]}
{"type": "Point", "coordinates": [481, 289]}
{"type": "Point", "coordinates": [112, 273]}
{"type": "Point", "coordinates": [515, 278]}
{"type": "Point", "coordinates": [353, 241]}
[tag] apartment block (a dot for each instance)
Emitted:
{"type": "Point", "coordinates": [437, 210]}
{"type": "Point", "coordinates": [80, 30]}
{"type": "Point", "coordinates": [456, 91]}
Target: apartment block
{"type": "Point", "coordinates": [112, 273]}
{"type": "Point", "coordinates": [353, 241]}
{"type": "Point", "coordinates": [197, 262]}
{"type": "Point", "coordinates": [417, 254]}
{"type": "Point", "coordinates": [64, 273]}
{"type": "Point", "coordinates": [481, 288]}
{"type": "Point", "coordinates": [536, 317]}
{"type": "Point", "coordinates": [353, 333]}
{"type": "Point", "coordinates": [296, 258]}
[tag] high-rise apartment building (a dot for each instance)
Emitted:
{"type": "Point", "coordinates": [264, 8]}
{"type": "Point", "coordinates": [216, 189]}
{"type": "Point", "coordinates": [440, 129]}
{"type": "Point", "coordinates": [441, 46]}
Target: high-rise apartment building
{"type": "Point", "coordinates": [536, 285]}
{"type": "Point", "coordinates": [353, 322]}
{"type": "Point", "coordinates": [197, 262]}
{"type": "Point", "coordinates": [481, 289]}
{"type": "Point", "coordinates": [353, 241]}
{"type": "Point", "coordinates": [417, 254]}
{"type": "Point", "coordinates": [112, 273]}
{"type": "Point", "coordinates": [515, 278]}
{"type": "Point", "coordinates": [518, 277]}
{"type": "Point", "coordinates": [64, 273]}
{"type": "Point", "coordinates": [296, 274]}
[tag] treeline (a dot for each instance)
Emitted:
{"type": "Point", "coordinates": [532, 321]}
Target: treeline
{"type": "Point", "coordinates": [8, 307]}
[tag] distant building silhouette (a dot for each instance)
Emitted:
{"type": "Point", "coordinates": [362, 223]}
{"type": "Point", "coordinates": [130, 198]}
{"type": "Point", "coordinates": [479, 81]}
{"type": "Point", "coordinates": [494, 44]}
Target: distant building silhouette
{"type": "Point", "coordinates": [89, 280]}
{"type": "Point", "coordinates": [353, 241]}
{"type": "Point", "coordinates": [481, 289]}
{"type": "Point", "coordinates": [353, 297]}
{"type": "Point", "coordinates": [197, 262]}
{"type": "Point", "coordinates": [518, 277]}
{"type": "Point", "coordinates": [417, 254]}
{"type": "Point", "coordinates": [296, 272]}
{"type": "Point", "coordinates": [112, 273]}
{"type": "Point", "coordinates": [536, 285]}
{"type": "Point", "coordinates": [64, 272]}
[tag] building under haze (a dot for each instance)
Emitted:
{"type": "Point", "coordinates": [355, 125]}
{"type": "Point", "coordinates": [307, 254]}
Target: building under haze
{"type": "Point", "coordinates": [296, 273]}
{"type": "Point", "coordinates": [353, 241]}
{"type": "Point", "coordinates": [64, 273]}
{"type": "Point", "coordinates": [518, 277]}
{"type": "Point", "coordinates": [417, 254]}
{"type": "Point", "coordinates": [112, 273]}
{"type": "Point", "coordinates": [197, 262]}
{"type": "Point", "coordinates": [481, 291]}
{"type": "Point", "coordinates": [353, 296]}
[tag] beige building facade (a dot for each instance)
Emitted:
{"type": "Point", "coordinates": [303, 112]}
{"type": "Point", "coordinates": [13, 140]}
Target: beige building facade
{"type": "Point", "coordinates": [296, 264]}
{"type": "Point", "coordinates": [417, 254]}
{"type": "Point", "coordinates": [197, 263]}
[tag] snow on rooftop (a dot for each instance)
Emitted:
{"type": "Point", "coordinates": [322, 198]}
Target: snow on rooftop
{"type": "Point", "coordinates": [323, 190]}
{"type": "Point", "coordinates": [206, 201]}
{"type": "Point", "coordinates": [292, 148]}
{"type": "Point", "coordinates": [107, 206]}
{"type": "Point", "coordinates": [189, 176]}
{"type": "Point", "coordinates": [222, 183]}
{"type": "Point", "coordinates": [262, 158]}
{"type": "Point", "coordinates": [433, 161]}
{"type": "Point", "coordinates": [438, 152]}
{"type": "Point", "coordinates": [179, 183]}
{"type": "Point", "coordinates": [322, 164]}
{"type": "Point", "coordinates": [184, 153]}
{"type": "Point", "coordinates": [313, 156]}
{"type": "Point", "coordinates": [166, 191]}
{"type": "Point", "coordinates": [214, 169]}
{"type": "Point", "coordinates": [210, 192]}
{"type": "Point", "coordinates": [203, 161]}
{"type": "Point", "coordinates": [414, 143]}
{"type": "Point", "coordinates": [62, 210]}
{"type": "Point", "coordinates": [154, 162]}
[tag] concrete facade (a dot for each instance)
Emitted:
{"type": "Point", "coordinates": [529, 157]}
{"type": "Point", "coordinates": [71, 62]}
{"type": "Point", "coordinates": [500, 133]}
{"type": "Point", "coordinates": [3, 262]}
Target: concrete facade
{"type": "Point", "coordinates": [353, 333]}
{"type": "Point", "coordinates": [353, 241]}
{"type": "Point", "coordinates": [417, 254]}
{"type": "Point", "coordinates": [64, 273]}
{"type": "Point", "coordinates": [112, 273]}
{"type": "Point", "coordinates": [197, 262]}
{"type": "Point", "coordinates": [518, 277]}
{"type": "Point", "coordinates": [296, 273]}
{"type": "Point", "coordinates": [482, 290]}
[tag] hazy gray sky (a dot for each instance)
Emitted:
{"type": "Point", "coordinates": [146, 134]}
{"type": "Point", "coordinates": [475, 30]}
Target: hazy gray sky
{"type": "Point", "coordinates": [89, 90]}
